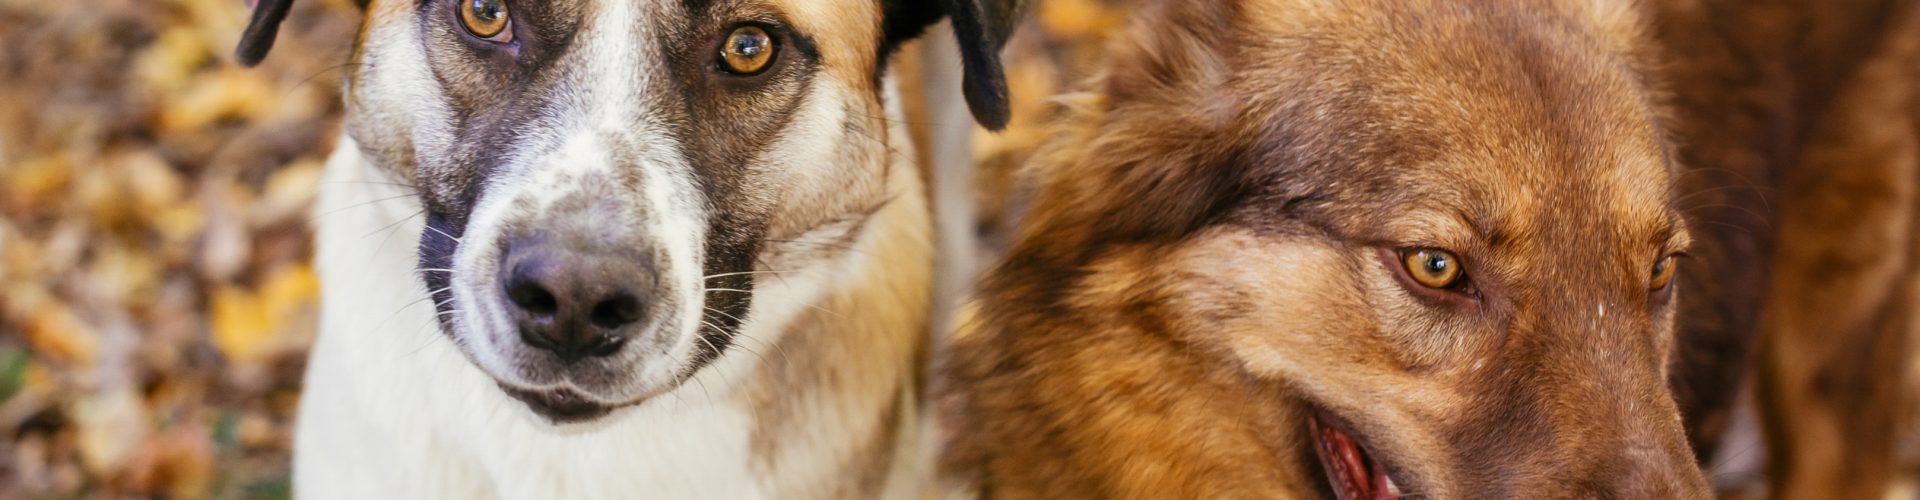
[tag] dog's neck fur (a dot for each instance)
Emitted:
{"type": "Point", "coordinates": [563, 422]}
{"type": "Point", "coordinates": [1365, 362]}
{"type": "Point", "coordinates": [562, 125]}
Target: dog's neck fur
{"type": "Point", "coordinates": [827, 410]}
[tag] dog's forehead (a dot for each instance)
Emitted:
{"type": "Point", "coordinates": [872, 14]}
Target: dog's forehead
{"type": "Point", "coordinates": [1465, 123]}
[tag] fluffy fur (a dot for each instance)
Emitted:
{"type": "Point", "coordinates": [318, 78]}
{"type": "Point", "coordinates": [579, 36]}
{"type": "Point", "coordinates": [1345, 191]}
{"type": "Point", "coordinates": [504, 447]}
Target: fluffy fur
{"type": "Point", "coordinates": [779, 216]}
{"type": "Point", "coordinates": [1791, 124]}
{"type": "Point", "coordinates": [1211, 262]}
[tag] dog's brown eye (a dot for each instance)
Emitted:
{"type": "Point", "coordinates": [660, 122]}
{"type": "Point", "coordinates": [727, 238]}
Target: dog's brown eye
{"type": "Point", "coordinates": [1662, 273]}
{"type": "Point", "coordinates": [485, 18]}
{"type": "Point", "coordinates": [747, 51]}
{"type": "Point", "coordinates": [1432, 268]}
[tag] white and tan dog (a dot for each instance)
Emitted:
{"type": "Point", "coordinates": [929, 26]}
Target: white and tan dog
{"type": "Point", "coordinates": [624, 248]}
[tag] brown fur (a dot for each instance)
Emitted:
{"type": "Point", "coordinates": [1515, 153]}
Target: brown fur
{"type": "Point", "coordinates": [1752, 81]}
{"type": "Point", "coordinates": [1799, 117]}
{"type": "Point", "coordinates": [1813, 96]}
{"type": "Point", "coordinates": [1838, 321]}
{"type": "Point", "coordinates": [1208, 258]}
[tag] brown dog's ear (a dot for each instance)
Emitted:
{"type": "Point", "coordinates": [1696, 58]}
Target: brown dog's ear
{"type": "Point", "coordinates": [258, 38]}
{"type": "Point", "coordinates": [982, 27]}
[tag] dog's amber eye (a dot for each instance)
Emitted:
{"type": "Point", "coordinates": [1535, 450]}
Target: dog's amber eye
{"type": "Point", "coordinates": [1432, 268]}
{"type": "Point", "coordinates": [1662, 273]}
{"type": "Point", "coordinates": [484, 18]}
{"type": "Point", "coordinates": [747, 51]}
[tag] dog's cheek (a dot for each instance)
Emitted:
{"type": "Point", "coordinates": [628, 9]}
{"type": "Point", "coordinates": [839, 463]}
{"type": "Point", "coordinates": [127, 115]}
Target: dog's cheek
{"type": "Point", "coordinates": [1287, 308]}
{"type": "Point", "coordinates": [389, 88]}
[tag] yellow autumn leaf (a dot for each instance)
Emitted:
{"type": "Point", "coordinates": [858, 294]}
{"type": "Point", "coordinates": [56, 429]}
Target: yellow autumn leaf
{"type": "Point", "coordinates": [247, 325]}
{"type": "Point", "coordinates": [35, 182]}
{"type": "Point", "coordinates": [223, 94]}
{"type": "Point", "coordinates": [1080, 18]}
{"type": "Point", "coordinates": [171, 61]}
{"type": "Point", "coordinates": [55, 331]}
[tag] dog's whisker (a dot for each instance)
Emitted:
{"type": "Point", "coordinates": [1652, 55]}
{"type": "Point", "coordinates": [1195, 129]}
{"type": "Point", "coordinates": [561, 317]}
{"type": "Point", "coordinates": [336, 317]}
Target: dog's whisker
{"type": "Point", "coordinates": [829, 312]}
{"type": "Point", "coordinates": [373, 183]}
{"type": "Point", "coordinates": [724, 313]}
{"type": "Point", "coordinates": [393, 229]}
{"type": "Point", "coordinates": [776, 347]}
{"type": "Point", "coordinates": [444, 233]}
{"type": "Point", "coordinates": [1748, 212]}
{"type": "Point", "coordinates": [756, 354]}
{"type": "Point", "coordinates": [839, 246]}
{"type": "Point", "coordinates": [391, 225]}
{"type": "Point", "coordinates": [723, 275]}
{"type": "Point", "coordinates": [309, 79]}
{"type": "Point", "coordinates": [757, 260]}
{"type": "Point", "coordinates": [1726, 225]}
{"type": "Point", "coordinates": [716, 350]}
{"type": "Point", "coordinates": [357, 205]}
{"type": "Point", "coordinates": [427, 337]}
{"type": "Point", "coordinates": [728, 290]}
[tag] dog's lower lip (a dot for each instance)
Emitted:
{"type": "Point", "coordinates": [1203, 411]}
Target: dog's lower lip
{"type": "Point", "coordinates": [560, 405]}
{"type": "Point", "coordinates": [1352, 472]}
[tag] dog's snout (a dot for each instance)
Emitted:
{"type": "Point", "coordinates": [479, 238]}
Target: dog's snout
{"type": "Point", "coordinates": [571, 302]}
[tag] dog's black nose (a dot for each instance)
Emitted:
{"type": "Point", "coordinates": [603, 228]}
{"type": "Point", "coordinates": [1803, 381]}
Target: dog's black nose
{"type": "Point", "coordinates": [572, 302]}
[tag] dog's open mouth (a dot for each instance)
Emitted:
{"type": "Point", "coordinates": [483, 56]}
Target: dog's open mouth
{"type": "Point", "coordinates": [559, 405]}
{"type": "Point", "coordinates": [1352, 472]}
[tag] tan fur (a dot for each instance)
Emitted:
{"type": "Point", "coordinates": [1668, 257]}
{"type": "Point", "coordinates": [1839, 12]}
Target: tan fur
{"type": "Point", "coordinates": [1207, 259]}
{"type": "Point", "coordinates": [860, 352]}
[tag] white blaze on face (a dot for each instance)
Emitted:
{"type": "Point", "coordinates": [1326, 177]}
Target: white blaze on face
{"type": "Point", "coordinates": [602, 129]}
{"type": "Point", "coordinates": [605, 126]}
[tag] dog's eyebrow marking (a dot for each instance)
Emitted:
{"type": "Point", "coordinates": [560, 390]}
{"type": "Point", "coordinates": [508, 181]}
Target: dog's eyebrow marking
{"type": "Point", "coordinates": [1486, 226]}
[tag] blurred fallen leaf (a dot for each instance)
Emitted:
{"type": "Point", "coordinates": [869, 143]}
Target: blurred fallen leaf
{"type": "Point", "coordinates": [152, 184]}
{"type": "Point", "coordinates": [126, 275]}
{"type": "Point", "coordinates": [246, 325]}
{"type": "Point", "coordinates": [55, 331]}
{"type": "Point", "coordinates": [169, 64]}
{"type": "Point", "coordinates": [35, 182]}
{"type": "Point", "coordinates": [179, 461]}
{"type": "Point", "coordinates": [227, 93]}
{"type": "Point", "coordinates": [256, 431]}
{"type": "Point", "coordinates": [289, 193]}
{"type": "Point", "coordinates": [112, 424]}
{"type": "Point", "coordinates": [1080, 18]}
{"type": "Point", "coordinates": [225, 242]}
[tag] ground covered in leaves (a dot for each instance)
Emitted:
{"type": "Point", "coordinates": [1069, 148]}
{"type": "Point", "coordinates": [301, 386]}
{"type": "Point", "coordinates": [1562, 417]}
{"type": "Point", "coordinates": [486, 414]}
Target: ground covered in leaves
{"type": "Point", "coordinates": [156, 300]}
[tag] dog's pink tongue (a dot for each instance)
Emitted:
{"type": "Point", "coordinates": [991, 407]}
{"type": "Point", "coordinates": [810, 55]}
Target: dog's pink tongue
{"type": "Point", "coordinates": [1353, 476]}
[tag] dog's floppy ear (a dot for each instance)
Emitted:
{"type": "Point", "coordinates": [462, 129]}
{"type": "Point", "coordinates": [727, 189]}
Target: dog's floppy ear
{"type": "Point", "coordinates": [982, 27]}
{"type": "Point", "coordinates": [258, 38]}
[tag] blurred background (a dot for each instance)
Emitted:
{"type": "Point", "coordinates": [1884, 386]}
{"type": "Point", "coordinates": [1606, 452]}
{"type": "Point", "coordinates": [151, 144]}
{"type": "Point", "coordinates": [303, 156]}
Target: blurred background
{"type": "Point", "coordinates": [156, 300]}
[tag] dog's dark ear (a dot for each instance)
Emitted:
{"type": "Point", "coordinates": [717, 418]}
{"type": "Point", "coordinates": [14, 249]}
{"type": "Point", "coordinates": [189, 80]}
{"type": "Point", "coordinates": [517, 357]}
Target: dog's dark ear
{"type": "Point", "coordinates": [907, 19]}
{"type": "Point", "coordinates": [982, 28]}
{"type": "Point", "coordinates": [258, 38]}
